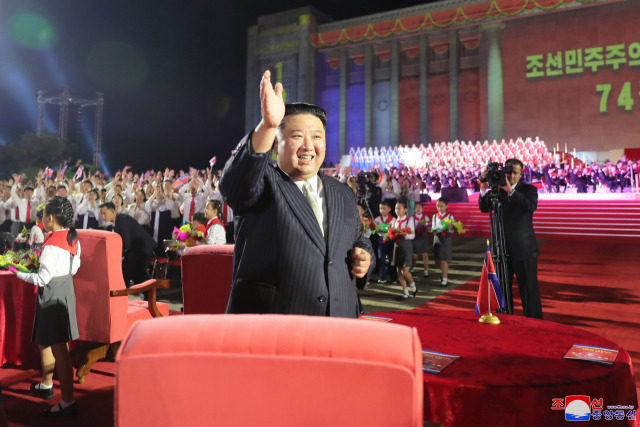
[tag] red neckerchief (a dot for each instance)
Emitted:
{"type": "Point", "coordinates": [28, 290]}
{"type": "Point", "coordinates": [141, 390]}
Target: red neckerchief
{"type": "Point", "coordinates": [399, 223]}
{"type": "Point", "coordinates": [59, 240]}
{"type": "Point", "coordinates": [210, 224]}
{"type": "Point", "coordinates": [41, 226]}
{"type": "Point", "coordinates": [202, 229]}
{"type": "Point", "coordinates": [415, 216]}
{"type": "Point", "coordinates": [388, 220]}
{"type": "Point", "coordinates": [442, 217]}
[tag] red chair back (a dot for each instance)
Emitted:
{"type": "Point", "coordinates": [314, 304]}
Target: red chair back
{"type": "Point", "coordinates": [267, 370]}
{"type": "Point", "coordinates": [207, 272]}
{"type": "Point", "coordinates": [101, 318]}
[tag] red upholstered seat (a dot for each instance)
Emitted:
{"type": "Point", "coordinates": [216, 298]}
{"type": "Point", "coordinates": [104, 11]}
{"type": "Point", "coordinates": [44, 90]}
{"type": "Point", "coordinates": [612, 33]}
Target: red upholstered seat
{"type": "Point", "coordinates": [103, 317]}
{"type": "Point", "coordinates": [269, 370]}
{"type": "Point", "coordinates": [207, 271]}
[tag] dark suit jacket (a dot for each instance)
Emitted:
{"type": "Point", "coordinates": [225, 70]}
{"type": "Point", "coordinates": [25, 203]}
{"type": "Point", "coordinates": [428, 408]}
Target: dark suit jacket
{"type": "Point", "coordinates": [282, 263]}
{"type": "Point", "coordinates": [135, 239]}
{"type": "Point", "coordinates": [517, 217]}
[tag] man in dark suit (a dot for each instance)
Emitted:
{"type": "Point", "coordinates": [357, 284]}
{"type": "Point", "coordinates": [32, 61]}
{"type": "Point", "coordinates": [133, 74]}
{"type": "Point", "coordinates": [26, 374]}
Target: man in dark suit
{"type": "Point", "coordinates": [518, 201]}
{"type": "Point", "coordinates": [299, 240]}
{"type": "Point", "coordinates": [137, 244]}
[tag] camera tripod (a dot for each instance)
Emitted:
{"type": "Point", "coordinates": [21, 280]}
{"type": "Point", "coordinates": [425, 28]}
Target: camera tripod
{"type": "Point", "coordinates": [498, 248]}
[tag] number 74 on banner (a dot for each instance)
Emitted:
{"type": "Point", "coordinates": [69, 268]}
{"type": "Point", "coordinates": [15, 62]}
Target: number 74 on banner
{"type": "Point", "coordinates": [625, 97]}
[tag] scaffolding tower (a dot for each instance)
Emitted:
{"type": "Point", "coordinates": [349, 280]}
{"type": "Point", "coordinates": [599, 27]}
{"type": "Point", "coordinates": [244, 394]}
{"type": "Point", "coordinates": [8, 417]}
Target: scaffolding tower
{"type": "Point", "coordinates": [63, 100]}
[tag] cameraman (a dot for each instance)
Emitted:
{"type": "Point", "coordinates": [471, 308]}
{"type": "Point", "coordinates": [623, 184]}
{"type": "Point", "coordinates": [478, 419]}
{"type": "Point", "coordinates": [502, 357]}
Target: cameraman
{"type": "Point", "coordinates": [518, 201]}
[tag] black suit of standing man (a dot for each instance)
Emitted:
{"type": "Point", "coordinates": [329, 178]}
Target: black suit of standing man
{"type": "Point", "coordinates": [285, 261]}
{"type": "Point", "coordinates": [519, 200]}
{"type": "Point", "coordinates": [137, 244]}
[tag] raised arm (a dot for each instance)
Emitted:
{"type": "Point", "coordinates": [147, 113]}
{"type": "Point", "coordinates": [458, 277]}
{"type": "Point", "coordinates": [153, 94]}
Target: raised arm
{"type": "Point", "coordinates": [272, 108]}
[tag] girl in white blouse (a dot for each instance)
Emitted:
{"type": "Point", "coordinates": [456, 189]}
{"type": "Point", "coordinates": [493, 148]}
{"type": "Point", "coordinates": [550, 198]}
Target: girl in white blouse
{"type": "Point", "coordinates": [55, 321]}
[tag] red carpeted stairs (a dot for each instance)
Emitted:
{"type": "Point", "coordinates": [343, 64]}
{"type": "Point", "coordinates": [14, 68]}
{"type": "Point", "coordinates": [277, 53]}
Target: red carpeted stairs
{"type": "Point", "coordinates": [568, 218]}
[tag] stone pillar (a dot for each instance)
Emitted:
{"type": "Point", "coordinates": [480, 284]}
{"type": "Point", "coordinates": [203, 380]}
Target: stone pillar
{"type": "Point", "coordinates": [395, 93]}
{"type": "Point", "coordinates": [344, 76]}
{"type": "Point", "coordinates": [491, 49]}
{"type": "Point", "coordinates": [424, 89]}
{"type": "Point", "coordinates": [306, 60]}
{"type": "Point", "coordinates": [368, 93]}
{"type": "Point", "coordinates": [453, 85]}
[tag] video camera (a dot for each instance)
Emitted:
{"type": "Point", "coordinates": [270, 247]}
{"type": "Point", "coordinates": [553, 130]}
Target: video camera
{"type": "Point", "coordinates": [362, 179]}
{"type": "Point", "coordinates": [496, 174]}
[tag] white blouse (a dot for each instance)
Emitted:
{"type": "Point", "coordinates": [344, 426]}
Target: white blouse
{"type": "Point", "coordinates": [54, 262]}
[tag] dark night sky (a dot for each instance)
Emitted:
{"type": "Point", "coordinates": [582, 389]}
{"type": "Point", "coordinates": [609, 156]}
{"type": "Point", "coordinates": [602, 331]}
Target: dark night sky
{"type": "Point", "coordinates": [172, 71]}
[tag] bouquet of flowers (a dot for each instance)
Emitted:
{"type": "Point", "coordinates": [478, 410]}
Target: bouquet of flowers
{"type": "Point", "coordinates": [457, 226]}
{"type": "Point", "coordinates": [368, 224]}
{"type": "Point", "coordinates": [394, 233]}
{"type": "Point", "coordinates": [183, 237]}
{"type": "Point", "coordinates": [27, 261]}
{"type": "Point", "coordinates": [24, 235]}
{"type": "Point", "coordinates": [422, 227]}
{"type": "Point", "coordinates": [382, 230]}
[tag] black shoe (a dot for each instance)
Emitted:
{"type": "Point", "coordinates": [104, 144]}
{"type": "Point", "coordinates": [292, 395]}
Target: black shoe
{"type": "Point", "coordinates": [45, 393]}
{"type": "Point", "coordinates": [402, 297]}
{"type": "Point", "coordinates": [69, 410]}
{"type": "Point", "coordinates": [414, 293]}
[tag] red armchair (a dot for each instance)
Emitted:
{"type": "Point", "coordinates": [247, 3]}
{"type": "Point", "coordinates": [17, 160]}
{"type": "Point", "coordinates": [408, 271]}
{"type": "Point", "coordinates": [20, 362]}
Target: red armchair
{"type": "Point", "coordinates": [103, 310]}
{"type": "Point", "coordinates": [207, 271]}
{"type": "Point", "coordinates": [269, 370]}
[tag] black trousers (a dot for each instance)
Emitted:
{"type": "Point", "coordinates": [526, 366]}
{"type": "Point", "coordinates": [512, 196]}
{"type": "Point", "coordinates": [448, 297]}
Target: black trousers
{"type": "Point", "coordinates": [526, 273]}
{"type": "Point", "coordinates": [134, 267]}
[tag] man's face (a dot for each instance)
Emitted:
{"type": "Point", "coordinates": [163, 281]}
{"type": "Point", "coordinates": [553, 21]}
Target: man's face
{"type": "Point", "coordinates": [62, 192]}
{"type": "Point", "coordinates": [384, 210]}
{"type": "Point", "coordinates": [108, 215]}
{"type": "Point", "coordinates": [301, 146]}
{"type": "Point", "coordinates": [515, 176]}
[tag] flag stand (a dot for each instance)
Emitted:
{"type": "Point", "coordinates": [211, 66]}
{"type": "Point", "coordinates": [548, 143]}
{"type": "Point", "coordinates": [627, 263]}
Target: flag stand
{"type": "Point", "coordinates": [489, 318]}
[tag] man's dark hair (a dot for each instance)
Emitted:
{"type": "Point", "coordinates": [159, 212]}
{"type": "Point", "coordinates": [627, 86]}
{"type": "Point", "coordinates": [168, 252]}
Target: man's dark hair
{"type": "Point", "coordinates": [402, 202]}
{"type": "Point", "coordinates": [443, 200]}
{"type": "Point", "coordinates": [108, 205]}
{"type": "Point", "coordinates": [304, 108]}
{"type": "Point", "coordinates": [514, 162]}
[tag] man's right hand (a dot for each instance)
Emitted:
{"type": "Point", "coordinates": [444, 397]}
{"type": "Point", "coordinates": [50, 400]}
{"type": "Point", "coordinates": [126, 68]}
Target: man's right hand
{"type": "Point", "coordinates": [272, 107]}
{"type": "Point", "coordinates": [483, 181]}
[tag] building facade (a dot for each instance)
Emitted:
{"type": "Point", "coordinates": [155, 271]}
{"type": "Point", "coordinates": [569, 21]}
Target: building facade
{"type": "Point", "coordinates": [567, 71]}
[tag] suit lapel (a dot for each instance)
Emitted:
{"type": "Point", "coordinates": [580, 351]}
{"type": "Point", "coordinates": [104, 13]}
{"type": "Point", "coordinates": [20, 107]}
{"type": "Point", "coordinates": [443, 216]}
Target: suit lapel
{"type": "Point", "coordinates": [302, 211]}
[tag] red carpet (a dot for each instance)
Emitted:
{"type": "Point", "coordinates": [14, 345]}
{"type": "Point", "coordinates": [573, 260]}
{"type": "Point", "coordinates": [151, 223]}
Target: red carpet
{"type": "Point", "coordinates": [94, 397]}
{"type": "Point", "coordinates": [593, 285]}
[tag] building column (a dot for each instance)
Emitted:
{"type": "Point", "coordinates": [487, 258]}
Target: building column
{"type": "Point", "coordinates": [395, 93]}
{"type": "Point", "coordinates": [344, 75]}
{"type": "Point", "coordinates": [453, 85]}
{"type": "Point", "coordinates": [424, 89]}
{"type": "Point", "coordinates": [306, 60]}
{"type": "Point", "coordinates": [491, 43]}
{"type": "Point", "coordinates": [368, 94]}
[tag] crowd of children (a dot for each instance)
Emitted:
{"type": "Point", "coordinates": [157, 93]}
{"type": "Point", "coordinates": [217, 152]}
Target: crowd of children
{"type": "Point", "coordinates": [402, 240]}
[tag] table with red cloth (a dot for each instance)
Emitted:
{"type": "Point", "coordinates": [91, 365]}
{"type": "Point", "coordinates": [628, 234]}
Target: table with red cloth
{"type": "Point", "coordinates": [17, 306]}
{"type": "Point", "coordinates": [509, 374]}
